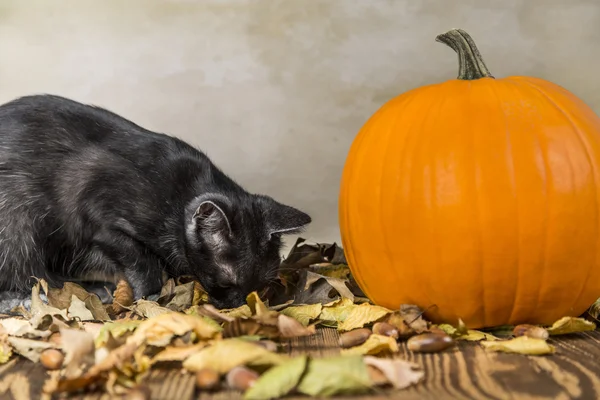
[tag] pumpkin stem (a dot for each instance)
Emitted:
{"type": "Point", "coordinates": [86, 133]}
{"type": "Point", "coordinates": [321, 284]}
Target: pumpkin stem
{"type": "Point", "coordinates": [470, 62]}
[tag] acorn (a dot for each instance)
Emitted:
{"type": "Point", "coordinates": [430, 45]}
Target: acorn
{"type": "Point", "coordinates": [241, 378]}
{"type": "Point", "coordinates": [52, 359]}
{"type": "Point", "coordinates": [207, 379]}
{"type": "Point", "coordinates": [385, 329]}
{"type": "Point", "coordinates": [354, 337]}
{"type": "Point", "coordinates": [429, 342]}
{"type": "Point", "coordinates": [532, 331]}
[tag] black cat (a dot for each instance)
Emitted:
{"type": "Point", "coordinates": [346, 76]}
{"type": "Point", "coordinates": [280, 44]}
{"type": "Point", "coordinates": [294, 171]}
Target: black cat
{"type": "Point", "coordinates": [84, 192]}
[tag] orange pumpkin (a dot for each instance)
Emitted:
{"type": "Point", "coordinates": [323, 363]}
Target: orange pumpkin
{"type": "Point", "coordinates": [476, 198]}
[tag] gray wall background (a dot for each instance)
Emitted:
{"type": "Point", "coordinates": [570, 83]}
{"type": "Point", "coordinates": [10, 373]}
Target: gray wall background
{"type": "Point", "coordinates": [274, 91]}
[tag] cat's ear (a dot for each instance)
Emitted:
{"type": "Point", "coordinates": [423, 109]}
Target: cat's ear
{"type": "Point", "coordinates": [282, 219]}
{"type": "Point", "coordinates": [210, 217]}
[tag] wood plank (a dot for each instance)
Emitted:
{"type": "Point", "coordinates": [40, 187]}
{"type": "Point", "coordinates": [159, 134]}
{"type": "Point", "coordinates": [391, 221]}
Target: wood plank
{"type": "Point", "coordinates": [467, 371]}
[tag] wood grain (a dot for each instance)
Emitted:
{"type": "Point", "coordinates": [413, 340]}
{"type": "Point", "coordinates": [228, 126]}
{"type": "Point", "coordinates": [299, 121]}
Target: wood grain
{"type": "Point", "coordinates": [464, 372]}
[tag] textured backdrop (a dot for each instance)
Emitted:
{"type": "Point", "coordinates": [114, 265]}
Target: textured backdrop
{"type": "Point", "coordinates": [275, 91]}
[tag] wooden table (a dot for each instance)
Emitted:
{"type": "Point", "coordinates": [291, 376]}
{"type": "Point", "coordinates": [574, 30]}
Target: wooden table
{"type": "Point", "coordinates": [467, 372]}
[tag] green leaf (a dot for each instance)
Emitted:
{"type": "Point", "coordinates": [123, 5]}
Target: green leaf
{"type": "Point", "coordinates": [278, 380]}
{"type": "Point", "coordinates": [337, 311]}
{"type": "Point", "coordinates": [335, 375]}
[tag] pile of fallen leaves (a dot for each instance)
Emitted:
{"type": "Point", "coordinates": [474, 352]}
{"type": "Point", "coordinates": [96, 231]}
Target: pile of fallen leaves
{"type": "Point", "coordinates": [87, 345]}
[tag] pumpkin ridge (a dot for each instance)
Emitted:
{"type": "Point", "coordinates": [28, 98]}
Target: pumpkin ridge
{"type": "Point", "coordinates": [414, 134]}
{"type": "Point", "coordinates": [359, 143]}
{"type": "Point", "coordinates": [382, 187]}
{"type": "Point", "coordinates": [516, 196]}
{"type": "Point", "coordinates": [421, 142]}
{"type": "Point", "coordinates": [586, 149]}
{"type": "Point", "coordinates": [478, 231]}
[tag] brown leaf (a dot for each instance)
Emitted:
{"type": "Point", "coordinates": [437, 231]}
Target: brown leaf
{"type": "Point", "coordinates": [249, 327]}
{"type": "Point", "coordinates": [289, 327]}
{"type": "Point", "coordinates": [182, 297]}
{"type": "Point", "coordinates": [122, 297]}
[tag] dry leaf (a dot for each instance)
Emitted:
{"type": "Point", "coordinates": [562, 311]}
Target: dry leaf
{"type": "Point", "coordinates": [303, 313]}
{"type": "Point", "coordinates": [61, 299]}
{"type": "Point", "coordinates": [160, 330]}
{"type": "Point", "coordinates": [289, 327]}
{"type": "Point", "coordinates": [224, 355]}
{"type": "Point", "coordinates": [122, 297]}
{"type": "Point", "coordinates": [28, 348]}
{"type": "Point", "coordinates": [171, 353]}
{"type": "Point", "coordinates": [520, 345]}
{"type": "Point", "coordinates": [278, 381]}
{"type": "Point", "coordinates": [208, 310]}
{"type": "Point", "coordinates": [115, 330]}
{"type": "Point", "coordinates": [242, 311]}
{"type": "Point", "coordinates": [567, 325]}
{"type": "Point", "coordinates": [399, 373]}
{"type": "Point", "coordinates": [362, 315]}
{"type": "Point", "coordinates": [22, 328]}
{"type": "Point", "coordinates": [200, 295]}
{"type": "Point", "coordinates": [5, 349]}
{"type": "Point", "coordinates": [39, 309]}
{"type": "Point", "coordinates": [77, 309]}
{"type": "Point", "coordinates": [182, 297]}
{"type": "Point", "coordinates": [259, 309]}
{"type": "Point", "coordinates": [150, 309]}
{"type": "Point", "coordinates": [462, 333]}
{"type": "Point", "coordinates": [250, 327]}
{"type": "Point", "coordinates": [78, 347]}
{"type": "Point", "coordinates": [335, 375]}
{"type": "Point", "coordinates": [375, 344]}
{"type": "Point", "coordinates": [338, 284]}
{"type": "Point", "coordinates": [337, 311]}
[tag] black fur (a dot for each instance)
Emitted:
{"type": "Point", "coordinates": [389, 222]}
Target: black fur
{"type": "Point", "coordinates": [84, 192]}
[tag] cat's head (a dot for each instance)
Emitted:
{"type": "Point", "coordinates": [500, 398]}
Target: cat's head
{"type": "Point", "coordinates": [234, 243]}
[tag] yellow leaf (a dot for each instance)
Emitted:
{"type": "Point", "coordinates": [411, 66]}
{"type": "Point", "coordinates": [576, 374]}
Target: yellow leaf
{"type": "Point", "coordinates": [224, 355]}
{"type": "Point", "coordinates": [159, 331]}
{"type": "Point", "coordinates": [375, 344]}
{"type": "Point", "coordinates": [5, 349]}
{"type": "Point", "coordinates": [243, 311]}
{"type": "Point", "coordinates": [304, 313]}
{"type": "Point", "coordinates": [570, 325]}
{"type": "Point", "coordinates": [520, 345]}
{"type": "Point", "coordinates": [362, 315]}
